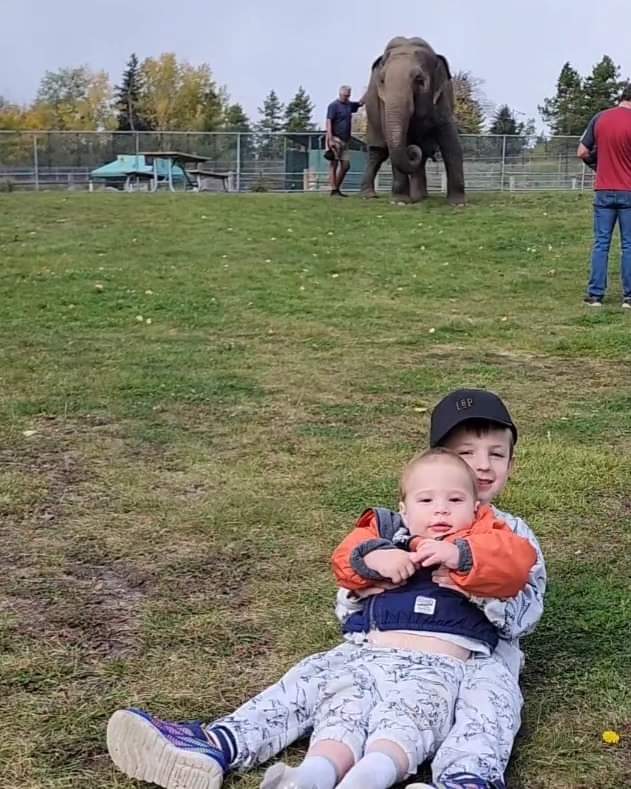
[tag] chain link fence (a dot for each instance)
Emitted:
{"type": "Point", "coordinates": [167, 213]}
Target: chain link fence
{"type": "Point", "coordinates": [277, 162]}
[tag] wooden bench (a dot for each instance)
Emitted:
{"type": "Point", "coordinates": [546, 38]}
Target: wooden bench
{"type": "Point", "coordinates": [205, 178]}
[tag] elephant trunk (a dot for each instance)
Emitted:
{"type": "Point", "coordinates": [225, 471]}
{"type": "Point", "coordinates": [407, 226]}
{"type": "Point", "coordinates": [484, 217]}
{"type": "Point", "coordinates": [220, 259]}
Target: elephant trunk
{"type": "Point", "coordinates": [404, 157]}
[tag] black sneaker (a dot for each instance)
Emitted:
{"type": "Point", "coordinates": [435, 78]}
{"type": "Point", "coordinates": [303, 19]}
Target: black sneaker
{"type": "Point", "coordinates": [341, 194]}
{"type": "Point", "coordinates": [626, 303]}
{"type": "Point", "coordinates": [335, 193]}
{"type": "Point", "coordinates": [593, 301]}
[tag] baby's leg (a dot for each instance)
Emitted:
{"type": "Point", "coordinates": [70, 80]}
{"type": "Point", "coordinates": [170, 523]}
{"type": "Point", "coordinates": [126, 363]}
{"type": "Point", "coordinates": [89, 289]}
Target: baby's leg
{"type": "Point", "coordinates": [326, 761]}
{"type": "Point", "coordinates": [416, 712]}
{"type": "Point", "coordinates": [384, 764]}
{"type": "Point", "coordinates": [487, 718]}
{"type": "Point", "coordinates": [338, 737]}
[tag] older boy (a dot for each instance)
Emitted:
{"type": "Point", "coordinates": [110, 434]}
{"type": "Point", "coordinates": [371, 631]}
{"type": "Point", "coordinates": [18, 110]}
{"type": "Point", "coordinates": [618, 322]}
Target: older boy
{"type": "Point", "coordinates": [476, 425]}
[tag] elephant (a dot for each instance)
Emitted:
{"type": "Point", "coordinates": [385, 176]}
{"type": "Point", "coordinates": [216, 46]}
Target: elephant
{"type": "Point", "coordinates": [410, 112]}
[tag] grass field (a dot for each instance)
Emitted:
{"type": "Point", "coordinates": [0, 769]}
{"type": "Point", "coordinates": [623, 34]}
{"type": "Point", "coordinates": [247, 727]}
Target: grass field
{"type": "Point", "coordinates": [200, 393]}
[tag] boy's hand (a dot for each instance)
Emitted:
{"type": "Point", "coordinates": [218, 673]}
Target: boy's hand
{"type": "Point", "coordinates": [437, 552]}
{"type": "Point", "coordinates": [392, 563]}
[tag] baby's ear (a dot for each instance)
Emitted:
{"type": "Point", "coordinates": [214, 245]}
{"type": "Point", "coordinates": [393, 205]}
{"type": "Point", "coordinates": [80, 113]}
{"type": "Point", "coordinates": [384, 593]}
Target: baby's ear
{"type": "Point", "coordinates": [402, 511]}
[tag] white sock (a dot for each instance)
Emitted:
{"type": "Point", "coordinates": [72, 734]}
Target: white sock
{"type": "Point", "coordinates": [373, 771]}
{"type": "Point", "coordinates": [315, 772]}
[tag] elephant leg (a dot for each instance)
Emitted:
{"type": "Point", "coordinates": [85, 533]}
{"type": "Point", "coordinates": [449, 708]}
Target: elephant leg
{"type": "Point", "coordinates": [400, 186]}
{"type": "Point", "coordinates": [451, 150]}
{"type": "Point", "coordinates": [376, 157]}
{"type": "Point", "coordinates": [418, 184]}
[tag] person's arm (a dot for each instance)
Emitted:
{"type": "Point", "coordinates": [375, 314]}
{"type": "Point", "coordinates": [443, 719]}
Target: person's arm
{"type": "Point", "coordinates": [518, 616]}
{"type": "Point", "coordinates": [487, 560]}
{"type": "Point", "coordinates": [586, 150]}
{"type": "Point", "coordinates": [330, 117]}
{"type": "Point", "coordinates": [366, 559]}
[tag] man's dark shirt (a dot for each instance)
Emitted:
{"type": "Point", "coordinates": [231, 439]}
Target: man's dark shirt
{"type": "Point", "coordinates": [340, 114]}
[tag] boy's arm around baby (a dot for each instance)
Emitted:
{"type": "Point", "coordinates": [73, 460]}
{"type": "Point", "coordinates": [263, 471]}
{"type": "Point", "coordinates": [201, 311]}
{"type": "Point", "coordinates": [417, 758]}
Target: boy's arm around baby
{"type": "Point", "coordinates": [518, 616]}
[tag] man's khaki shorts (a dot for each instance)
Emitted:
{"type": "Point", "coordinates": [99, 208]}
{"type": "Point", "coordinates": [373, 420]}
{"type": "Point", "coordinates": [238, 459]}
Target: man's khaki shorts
{"type": "Point", "coordinates": [341, 150]}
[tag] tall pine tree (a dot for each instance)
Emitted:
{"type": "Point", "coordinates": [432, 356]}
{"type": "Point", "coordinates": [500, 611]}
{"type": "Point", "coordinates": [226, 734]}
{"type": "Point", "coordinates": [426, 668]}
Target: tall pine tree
{"type": "Point", "coordinates": [129, 97]}
{"type": "Point", "coordinates": [602, 88]}
{"type": "Point", "coordinates": [504, 122]}
{"type": "Point", "coordinates": [269, 143]}
{"type": "Point", "coordinates": [298, 112]}
{"type": "Point", "coordinates": [565, 111]}
{"type": "Point", "coordinates": [235, 120]}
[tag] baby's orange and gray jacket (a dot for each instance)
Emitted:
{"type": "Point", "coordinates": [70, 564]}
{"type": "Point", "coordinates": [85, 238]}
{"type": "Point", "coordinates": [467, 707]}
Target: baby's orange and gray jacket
{"type": "Point", "coordinates": [495, 562]}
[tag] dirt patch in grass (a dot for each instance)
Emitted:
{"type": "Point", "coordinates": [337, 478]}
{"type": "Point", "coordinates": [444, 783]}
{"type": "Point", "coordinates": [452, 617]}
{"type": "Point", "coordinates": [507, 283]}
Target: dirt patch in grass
{"type": "Point", "coordinates": [93, 607]}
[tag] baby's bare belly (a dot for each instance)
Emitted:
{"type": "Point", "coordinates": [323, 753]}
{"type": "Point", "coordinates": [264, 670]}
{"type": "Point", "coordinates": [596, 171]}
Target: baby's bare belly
{"type": "Point", "coordinates": [395, 639]}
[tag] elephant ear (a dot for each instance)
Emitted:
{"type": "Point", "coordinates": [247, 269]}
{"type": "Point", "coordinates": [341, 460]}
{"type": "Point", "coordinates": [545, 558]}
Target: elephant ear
{"type": "Point", "coordinates": [377, 63]}
{"type": "Point", "coordinates": [442, 77]}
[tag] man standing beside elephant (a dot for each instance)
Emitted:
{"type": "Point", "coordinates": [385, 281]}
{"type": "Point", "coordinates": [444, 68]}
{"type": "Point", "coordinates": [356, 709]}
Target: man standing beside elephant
{"type": "Point", "coordinates": [339, 122]}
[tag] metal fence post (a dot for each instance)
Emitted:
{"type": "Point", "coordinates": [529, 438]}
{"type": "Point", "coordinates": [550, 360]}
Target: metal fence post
{"type": "Point", "coordinates": [503, 168]}
{"type": "Point", "coordinates": [238, 154]}
{"type": "Point", "coordinates": [36, 162]}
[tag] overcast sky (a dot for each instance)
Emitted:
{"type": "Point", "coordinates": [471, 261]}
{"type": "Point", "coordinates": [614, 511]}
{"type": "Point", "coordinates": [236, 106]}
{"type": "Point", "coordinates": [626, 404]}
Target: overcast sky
{"type": "Point", "coordinates": [255, 45]}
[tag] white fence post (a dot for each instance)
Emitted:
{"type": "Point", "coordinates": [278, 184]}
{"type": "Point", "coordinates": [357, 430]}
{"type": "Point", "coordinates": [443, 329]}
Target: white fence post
{"type": "Point", "coordinates": [36, 162]}
{"type": "Point", "coordinates": [503, 168]}
{"type": "Point", "coordinates": [443, 182]}
{"type": "Point", "coordinates": [238, 175]}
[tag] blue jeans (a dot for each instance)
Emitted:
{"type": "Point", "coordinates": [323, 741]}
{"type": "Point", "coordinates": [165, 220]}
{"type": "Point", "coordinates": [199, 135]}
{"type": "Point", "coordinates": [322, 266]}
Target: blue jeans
{"type": "Point", "coordinates": [609, 207]}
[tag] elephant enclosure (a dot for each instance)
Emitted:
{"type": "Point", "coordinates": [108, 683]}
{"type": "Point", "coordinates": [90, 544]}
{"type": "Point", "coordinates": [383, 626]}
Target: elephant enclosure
{"type": "Point", "coordinates": [283, 162]}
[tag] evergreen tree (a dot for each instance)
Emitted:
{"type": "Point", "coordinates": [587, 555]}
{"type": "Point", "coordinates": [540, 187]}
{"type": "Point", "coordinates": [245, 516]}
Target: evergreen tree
{"type": "Point", "coordinates": [128, 98]}
{"type": "Point", "coordinates": [235, 119]}
{"type": "Point", "coordinates": [270, 145]}
{"type": "Point", "coordinates": [298, 112]}
{"type": "Point", "coordinates": [504, 122]}
{"type": "Point", "coordinates": [602, 88]}
{"type": "Point", "coordinates": [565, 111]}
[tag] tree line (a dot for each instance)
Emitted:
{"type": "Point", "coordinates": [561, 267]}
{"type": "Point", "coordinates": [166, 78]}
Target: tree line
{"type": "Point", "coordinates": [168, 94]}
{"type": "Point", "coordinates": [161, 93]}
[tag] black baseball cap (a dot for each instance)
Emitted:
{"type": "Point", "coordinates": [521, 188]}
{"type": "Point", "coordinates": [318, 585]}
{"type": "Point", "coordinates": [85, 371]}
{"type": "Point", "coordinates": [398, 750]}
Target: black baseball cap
{"type": "Point", "coordinates": [466, 404]}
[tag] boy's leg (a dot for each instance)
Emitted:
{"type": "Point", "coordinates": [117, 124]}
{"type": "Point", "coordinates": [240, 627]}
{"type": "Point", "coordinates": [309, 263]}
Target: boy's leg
{"type": "Point", "coordinates": [165, 753]}
{"type": "Point", "coordinates": [487, 719]}
{"type": "Point", "coordinates": [284, 712]}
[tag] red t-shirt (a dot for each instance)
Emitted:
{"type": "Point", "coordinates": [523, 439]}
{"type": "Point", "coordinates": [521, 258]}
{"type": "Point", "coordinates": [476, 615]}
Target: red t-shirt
{"type": "Point", "coordinates": [610, 132]}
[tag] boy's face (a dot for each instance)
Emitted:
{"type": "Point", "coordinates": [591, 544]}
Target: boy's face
{"type": "Point", "coordinates": [488, 455]}
{"type": "Point", "coordinates": [438, 500]}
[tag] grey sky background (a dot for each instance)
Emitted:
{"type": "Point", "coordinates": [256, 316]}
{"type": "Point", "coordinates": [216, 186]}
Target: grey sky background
{"type": "Point", "coordinates": [255, 45]}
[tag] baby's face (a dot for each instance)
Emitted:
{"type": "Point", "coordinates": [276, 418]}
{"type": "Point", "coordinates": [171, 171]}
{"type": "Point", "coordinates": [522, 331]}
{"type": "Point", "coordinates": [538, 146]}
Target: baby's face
{"type": "Point", "coordinates": [439, 499]}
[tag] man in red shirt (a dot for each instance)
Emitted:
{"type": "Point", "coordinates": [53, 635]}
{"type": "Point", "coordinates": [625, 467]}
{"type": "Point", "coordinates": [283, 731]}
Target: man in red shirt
{"type": "Point", "coordinates": [606, 144]}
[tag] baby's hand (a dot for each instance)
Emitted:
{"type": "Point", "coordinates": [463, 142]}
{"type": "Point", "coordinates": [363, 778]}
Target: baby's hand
{"type": "Point", "coordinates": [436, 552]}
{"type": "Point", "coordinates": [392, 563]}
